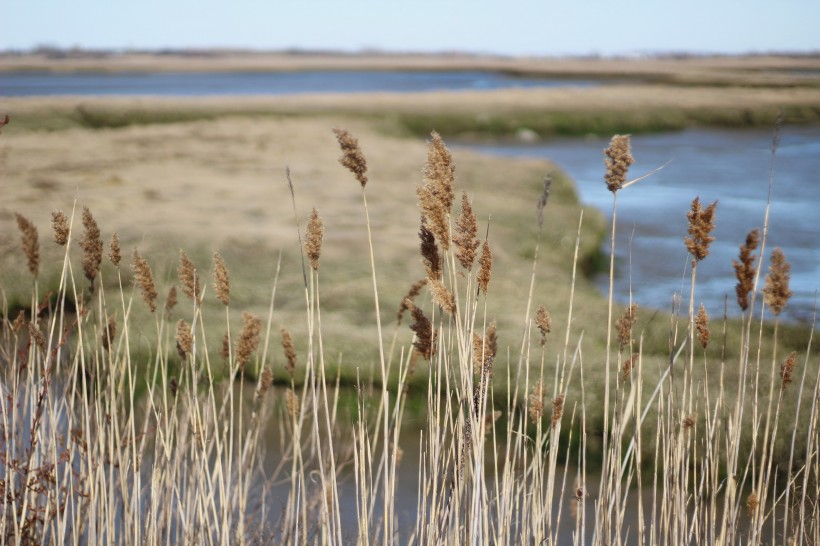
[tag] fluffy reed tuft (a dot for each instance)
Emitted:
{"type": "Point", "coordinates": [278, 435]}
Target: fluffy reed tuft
{"type": "Point", "coordinates": [415, 290]}
{"type": "Point", "coordinates": [145, 280]}
{"type": "Point", "coordinates": [429, 253]}
{"type": "Point", "coordinates": [701, 224]}
{"type": "Point", "coordinates": [787, 368]}
{"type": "Point", "coordinates": [618, 158]}
{"type": "Point", "coordinates": [702, 326]}
{"type": "Point", "coordinates": [484, 349]}
{"type": "Point", "coordinates": [265, 381]}
{"type": "Point", "coordinates": [292, 403]}
{"type": "Point", "coordinates": [745, 269]}
{"type": "Point", "coordinates": [436, 194]}
{"type": "Point", "coordinates": [544, 323]}
{"type": "Point", "coordinates": [109, 333]}
{"type": "Point", "coordinates": [629, 365]}
{"type": "Point", "coordinates": [37, 337]}
{"type": "Point", "coordinates": [222, 282]}
{"type": "Point", "coordinates": [352, 158]}
{"type": "Point", "coordinates": [171, 299]}
{"type": "Point", "coordinates": [19, 322]}
{"type": "Point", "coordinates": [486, 266]}
{"type": "Point", "coordinates": [557, 409]}
{"type": "Point", "coordinates": [625, 324]}
{"type": "Point", "coordinates": [185, 339]}
{"type": "Point", "coordinates": [442, 296]}
{"type": "Point", "coordinates": [536, 402]}
{"type": "Point", "coordinates": [30, 242]}
{"type": "Point", "coordinates": [188, 277]}
{"type": "Point", "coordinates": [59, 223]}
{"type": "Point", "coordinates": [114, 250]}
{"type": "Point", "coordinates": [465, 239]}
{"type": "Point", "coordinates": [776, 292]}
{"type": "Point", "coordinates": [491, 340]}
{"type": "Point", "coordinates": [752, 502]}
{"type": "Point", "coordinates": [313, 239]}
{"type": "Point", "coordinates": [225, 349]}
{"type": "Point", "coordinates": [425, 342]}
{"type": "Point", "coordinates": [248, 339]}
{"type": "Point", "coordinates": [289, 350]}
{"type": "Point", "coordinates": [689, 421]}
{"type": "Point", "coordinates": [92, 246]}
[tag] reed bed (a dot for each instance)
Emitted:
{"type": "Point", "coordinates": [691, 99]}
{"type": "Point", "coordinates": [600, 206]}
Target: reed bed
{"type": "Point", "coordinates": [102, 444]}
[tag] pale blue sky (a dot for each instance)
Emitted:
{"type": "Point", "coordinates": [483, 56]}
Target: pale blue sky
{"type": "Point", "coordinates": [510, 27]}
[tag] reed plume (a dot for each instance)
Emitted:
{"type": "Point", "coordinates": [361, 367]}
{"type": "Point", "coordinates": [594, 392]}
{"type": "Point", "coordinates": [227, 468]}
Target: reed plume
{"type": "Point", "coordinates": [92, 246]}
{"type": "Point", "coordinates": [188, 278]}
{"type": "Point", "coordinates": [536, 402]}
{"type": "Point", "coordinates": [18, 323]}
{"type": "Point", "coordinates": [464, 238]}
{"type": "Point", "coordinates": [265, 381]}
{"type": "Point", "coordinates": [37, 337]}
{"type": "Point", "coordinates": [145, 280]}
{"type": "Point", "coordinates": [624, 326]}
{"type": "Point", "coordinates": [222, 282]}
{"type": "Point", "coordinates": [415, 290]}
{"type": "Point", "coordinates": [557, 409]}
{"type": "Point", "coordinates": [442, 296]}
{"type": "Point", "coordinates": [629, 365]}
{"type": "Point", "coordinates": [248, 339]}
{"type": "Point", "coordinates": [491, 340]}
{"type": "Point", "coordinates": [485, 270]}
{"type": "Point", "coordinates": [290, 352]}
{"type": "Point", "coordinates": [776, 292]}
{"type": "Point", "coordinates": [689, 421]}
{"type": "Point", "coordinates": [59, 223]}
{"type": "Point", "coordinates": [618, 158]}
{"type": "Point", "coordinates": [429, 253]}
{"type": "Point", "coordinates": [184, 339]}
{"type": "Point", "coordinates": [745, 269]}
{"type": "Point", "coordinates": [30, 242]}
{"type": "Point", "coordinates": [436, 194]}
{"type": "Point", "coordinates": [701, 224]}
{"type": "Point", "coordinates": [787, 368]}
{"type": "Point", "coordinates": [544, 323]}
{"type": "Point", "coordinates": [702, 325]}
{"type": "Point", "coordinates": [109, 333]}
{"type": "Point", "coordinates": [171, 299]}
{"type": "Point", "coordinates": [425, 342]}
{"type": "Point", "coordinates": [484, 349]}
{"type": "Point", "coordinates": [114, 250]}
{"type": "Point", "coordinates": [225, 350]}
{"type": "Point", "coordinates": [313, 239]}
{"type": "Point", "coordinates": [352, 158]}
{"type": "Point", "coordinates": [292, 403]}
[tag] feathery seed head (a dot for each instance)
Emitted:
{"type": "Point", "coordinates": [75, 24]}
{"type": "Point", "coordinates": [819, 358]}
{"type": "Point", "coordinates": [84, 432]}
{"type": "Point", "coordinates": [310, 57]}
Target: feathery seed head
{"type": "Point", "coordinates": [625, 324]}
{"type": "Point", "coordinates": [185, 339]}
{"type": "Point", "coordinates": [425, 342]}
{"type": "Point", "coordinates": [109, 333]}
{"type": "Point", "coordinates": [787, 368]}
{"type": "Point", "coordinates": [145, 280]}
{"type": "Point", "coordinates": [313, 239]}
{"type": "Point", "coordinates": [265, 381]}
{"type": "Point", "coordinates": [248, 339]}
{"type": "Point", "coordinates": [629, 365]}
{"type": "Point", "coordinates": [442, 296]}
{"type": "Point", "coordinates": [485, 270]}
{"type": "Point", "coordinates": [188, 277]}
{"type": "Point", "coordinates": [436, 194]}
{"type": "Point", "coordinates": [30, 241]}
{"type": "Point", "coordinates": [557, 409]}
{"type": "Point", "coordinates": [60, 224]}
{"type": "Point", "coordinates": [290, 352]}
{"type": "Point", "coordinates": [544, 323]}
{"type": "Point", "coordinates": [536, 406]}
{"type": "Point", "coordinates": [618, 158]}
{"type": "Point", "coordinates": [171, 299]}
{"type": "Point", "coordinates": [702, 325]}
{"type": "Point", "coordinates": [745, 269]}
{"type": "Point", "coordinates": [701, 224]}
{"type": "Point", "coordinates": [429, 252]}
{"type": "Point", "coordinates": [776, 292]}
{"type": "Point", "coordinates": [465, 234]}
{"type": "Point", "coordinates": [222, 282]}
{"type": "Point", "coordinates": [114, 250]}
{"type": "Point", "coordinates": [92, 246]}
{"type": "Point", "coordinates": [415, 290]}
{"type": "Point", "coordinates": [352, 158]}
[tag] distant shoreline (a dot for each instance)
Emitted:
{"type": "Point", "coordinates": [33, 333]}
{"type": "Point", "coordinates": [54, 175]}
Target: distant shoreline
{"type": "Point", "coordinates": [746, 70]}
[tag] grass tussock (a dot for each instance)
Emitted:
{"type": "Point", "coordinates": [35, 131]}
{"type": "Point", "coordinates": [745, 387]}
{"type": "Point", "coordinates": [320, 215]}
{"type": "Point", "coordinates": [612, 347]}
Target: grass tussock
{"type": "Point", "coordinates": [145, 431]}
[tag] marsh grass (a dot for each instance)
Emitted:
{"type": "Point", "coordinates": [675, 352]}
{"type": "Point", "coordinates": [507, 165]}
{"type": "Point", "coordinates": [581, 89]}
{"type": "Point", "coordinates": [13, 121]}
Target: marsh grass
{"type": "Point", "coordinates": [142, 432]}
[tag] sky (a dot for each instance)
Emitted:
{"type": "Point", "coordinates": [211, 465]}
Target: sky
{"type": "Point", "coordinates": [511, 27]}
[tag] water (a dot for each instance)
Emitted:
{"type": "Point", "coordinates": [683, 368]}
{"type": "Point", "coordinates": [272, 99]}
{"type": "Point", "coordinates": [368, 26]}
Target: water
{"type": "Point", "coordinates": [264, 83]}
{"type": "Point", "coordinates": [730, 166]}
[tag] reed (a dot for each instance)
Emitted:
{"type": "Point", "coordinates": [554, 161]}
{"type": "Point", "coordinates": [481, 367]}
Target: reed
{"type": "Point", "coordinates": [105, 442]}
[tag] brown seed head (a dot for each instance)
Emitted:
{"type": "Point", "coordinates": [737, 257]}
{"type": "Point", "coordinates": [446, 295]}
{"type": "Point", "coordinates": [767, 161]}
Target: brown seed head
{"type": "Point", "coordinates": [752, 502]}
{"type": "Point", "coordinates": [60, 224]}
{"type": "Point", "coordinates": [188, 277]}
{"type": "Point", "coordinates": [701, 224]}
{"type": "Point", "coordinates": [19, 322]}
{"type": "Point", "coordinates": [352, 158]}
{"type": "Point", "coordinates": [689, 421]}
{"type": "Point", "coordinates": [485, 270]}
{"type": "Point", "coordinates": [625, 324]}
{"type": "Point", "coordinates": [109, 333]}
{"type": "Point", "coordinates": [745, 269]}
{"type": "Point", "coordinates": [425, 342]}
{"type": "Point", "coordinates": [292, 402]}
{"type": "Point", "coordinates": [265, 381]}
{"type": "Point", "coordinates": [465, 234]}
{"type": "Point", "coordinates": [225, 350]}
{"type": "Point", "coordinates": [702, 325]}
{"type": "Point", "coordinates": [557, 409]}
{"type": "Point", "coordinates": [92, 246]}
{"type": "Point", "coordinates": [37, 337]}
{"type": "Point", "coordinates": [248, 339]}
{"type": "Point", "coordinates": [313, 239]}
{"type": "Point", "coordinates": [185, 339]}
{"type": "Point", "coordinates": [415, 290]}
{"type": "Point", "coordinates": [776, 292]}
{"type": "Point", "coordinates": [290, 352]}
{"type": "Point", "coordinates": [544, 323]}
{"type": "Point", "coordinates": [787, 368]}
{"type": "Point", "coordinates": [491, 340]}
{"type": "Point", "coordinates": [429, 253]}
{"type": "Point", "coordinates": [114, 250]}
{"type": "Point", "coordinates": [442, 296]}
{"type": "Point", "coordinates": [618, 158]}
{"type": "Point", "coordinates": [629, 365]}
{"type": "Point", "coordinates": [536, 406]}
{"type": "Point", "coordinates": [436, 194]}
{"type": "Point", "coordinates": [145, 280]}
{"type": "Point", "coordinates": [30, 241]}
{"type": "Point", "coordinates": [171, 299]}
{"type": "Point", "coordinates": [222, 282]}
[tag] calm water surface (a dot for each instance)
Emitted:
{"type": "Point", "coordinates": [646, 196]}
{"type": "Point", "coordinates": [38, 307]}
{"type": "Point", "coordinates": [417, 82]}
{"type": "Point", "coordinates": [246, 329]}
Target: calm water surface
{"type": "Point", "coordinates": [730, 166]}
{"type": "Point", "coordinates": [264, 83]}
